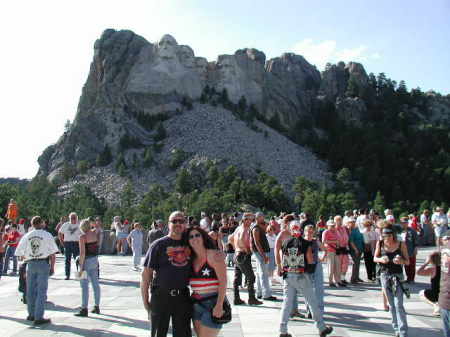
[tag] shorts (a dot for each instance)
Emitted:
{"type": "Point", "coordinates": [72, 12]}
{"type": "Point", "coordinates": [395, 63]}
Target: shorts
{"type": "Point", "coordinates": [440, 230]}
{"type": "Point", "coordinates": [202, 313]}
{"type": "Point", "coordinates": [121, 235]}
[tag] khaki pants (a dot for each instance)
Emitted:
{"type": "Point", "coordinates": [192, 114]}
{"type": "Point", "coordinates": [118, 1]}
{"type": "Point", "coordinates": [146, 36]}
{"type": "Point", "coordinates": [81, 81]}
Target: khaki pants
{"type": "Point", "coordinates": [334, 267]}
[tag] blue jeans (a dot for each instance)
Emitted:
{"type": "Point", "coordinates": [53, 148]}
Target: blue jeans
{"type": "Point", "coordinates": [71, 249]}
{"type": "Point", "coordinates": [137, 255]}
{"type": "Point", "coordinates": [317, 280]}
{"type": "Point", "coordinates": [445, 314]}
{"type": "Point", "coordinates": [38, 272]}
{"type": "Point", "coordinates": [8, 255]}
{"type": "Point", "coordinates": [303, 283]}
{"type": "Point", "coordinates": [2, 257]}
{"type": "Point", "coordinates": [399, 322]}
{"type": "Point", "coordinates": [262, 277]}
{"type": "Point", "coordinates": [91, 268]}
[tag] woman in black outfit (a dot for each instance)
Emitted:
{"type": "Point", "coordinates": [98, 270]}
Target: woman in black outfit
{"type": "Point", "coordinates": [432, 268]}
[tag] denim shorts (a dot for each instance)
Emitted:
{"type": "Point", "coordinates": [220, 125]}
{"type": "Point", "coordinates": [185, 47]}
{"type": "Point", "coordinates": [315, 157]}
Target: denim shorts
{"type": "Point", "coordinates": [202, 313]}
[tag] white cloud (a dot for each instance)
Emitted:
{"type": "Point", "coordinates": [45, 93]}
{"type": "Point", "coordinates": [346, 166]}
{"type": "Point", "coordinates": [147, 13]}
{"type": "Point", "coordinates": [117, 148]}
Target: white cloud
{"type": "Point", "coordinates": [320, 53]}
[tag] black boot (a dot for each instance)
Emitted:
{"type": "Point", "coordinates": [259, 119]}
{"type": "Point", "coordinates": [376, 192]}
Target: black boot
{"type": "Point", "coordinates": [82, 313]}
{"type": "Point", "coordinates": [96, 310]}
{"type": "Point", "coordinates": [237, 298]}
{"type": "Point", "coordinates": [252, 300]}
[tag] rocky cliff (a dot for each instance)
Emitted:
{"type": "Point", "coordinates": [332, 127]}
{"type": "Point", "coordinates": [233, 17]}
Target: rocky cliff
{"type": "Point", "coordinates": [145, 99]}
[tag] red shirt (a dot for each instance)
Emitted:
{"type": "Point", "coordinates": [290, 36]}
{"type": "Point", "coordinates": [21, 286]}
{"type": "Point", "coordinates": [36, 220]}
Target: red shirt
{"type": "Point", "coordinates": [12, 237]}
{"type": "Point", "coordinates": [331, 236]}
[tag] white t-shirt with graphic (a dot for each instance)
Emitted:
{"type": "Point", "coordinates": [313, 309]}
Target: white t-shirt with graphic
{"type": "Point", "coordinates": [71, 231]}
{"type": "Point", "coordinates": [37, 244]}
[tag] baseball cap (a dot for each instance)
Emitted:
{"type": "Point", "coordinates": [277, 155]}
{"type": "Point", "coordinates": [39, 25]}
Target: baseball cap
{"type": "Point", "coordinates": [258, 214]}
{"type": "Point", "coordinates": [404, 219]}
{"type": "Point", "coordinates": [159, 221]}
{"type": "Point", "coordinates": [390, 218]}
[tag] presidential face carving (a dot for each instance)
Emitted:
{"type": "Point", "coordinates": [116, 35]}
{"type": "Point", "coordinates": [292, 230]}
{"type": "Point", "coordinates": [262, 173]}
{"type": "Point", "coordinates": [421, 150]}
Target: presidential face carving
{"type": "Point", "coordinates": [167, 47]}
{"type": "Point", "coordinates": [186, 56]}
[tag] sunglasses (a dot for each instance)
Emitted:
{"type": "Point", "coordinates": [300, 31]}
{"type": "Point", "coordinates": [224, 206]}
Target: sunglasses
{"type": "Point", "coordinates": [178, 221]}
{"type": "Point", "coordinates": [196, 235]}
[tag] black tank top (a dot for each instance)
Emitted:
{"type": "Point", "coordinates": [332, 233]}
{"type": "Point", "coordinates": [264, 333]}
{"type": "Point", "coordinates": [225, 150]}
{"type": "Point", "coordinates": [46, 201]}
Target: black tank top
{"type": "Point", "coordinates": [91, 249]}
{"type": "Point", "coordinates": [436, 282]}
{"type": "Point", "coordinates": [262, 238]}
{"type": "Point", "coordinates": [391, 267]}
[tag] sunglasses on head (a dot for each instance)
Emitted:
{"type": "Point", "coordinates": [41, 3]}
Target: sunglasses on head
{"type": "Point", "coordinates": [177, 221]}
{"type": "Point", "coordinates": [193, 236]}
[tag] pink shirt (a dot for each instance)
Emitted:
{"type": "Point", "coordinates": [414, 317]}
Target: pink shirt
{"type": "Point", "coordinates": [329, 235]}
{"type": "Point", "coordinates": [343, 236]}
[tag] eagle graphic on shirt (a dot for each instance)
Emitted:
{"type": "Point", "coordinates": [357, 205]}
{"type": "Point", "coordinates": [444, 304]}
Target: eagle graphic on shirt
{"type": "Point", "coordinates": [178, 256]}
{"type": "Point", "coordinates": [293, 261]}
{"type": "Point", "coordinates": [73, 229]}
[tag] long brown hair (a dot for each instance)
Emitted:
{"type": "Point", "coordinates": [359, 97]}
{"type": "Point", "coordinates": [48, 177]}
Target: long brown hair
{"type": "Point", "coordinates": [208, 243]}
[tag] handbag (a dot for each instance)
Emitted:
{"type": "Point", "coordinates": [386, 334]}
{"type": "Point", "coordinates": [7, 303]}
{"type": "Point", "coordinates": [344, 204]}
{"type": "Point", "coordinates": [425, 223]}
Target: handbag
{"type": "Point", "coordinates": [226, 317]}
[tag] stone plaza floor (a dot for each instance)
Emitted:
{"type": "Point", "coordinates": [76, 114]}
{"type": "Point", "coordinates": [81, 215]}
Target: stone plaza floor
{"type": "Point", "coordinates": [355, 311]}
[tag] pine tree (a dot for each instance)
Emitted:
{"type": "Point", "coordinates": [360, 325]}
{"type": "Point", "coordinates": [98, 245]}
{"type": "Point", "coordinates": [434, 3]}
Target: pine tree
{"type": "Point", "coordinates": [352, 87]}
{"type": "Point", "coordinates": [183, 182]}
{"type": "Point", "coordinates": [160, 132]}
{"type": "Point", "coordinates": [148, 157]}
{"type": "Point", "coordinates": [378, 203]}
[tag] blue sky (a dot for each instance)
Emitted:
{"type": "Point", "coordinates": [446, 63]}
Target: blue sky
{"type": "Point", "coordinates": [48, 47]}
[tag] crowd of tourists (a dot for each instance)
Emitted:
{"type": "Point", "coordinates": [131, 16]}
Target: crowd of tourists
{"type": "Point", "coordinates": [184, 273]}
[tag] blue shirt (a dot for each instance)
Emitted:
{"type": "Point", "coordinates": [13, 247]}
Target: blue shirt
{"type": "Point", "coordinates": [357, 238]}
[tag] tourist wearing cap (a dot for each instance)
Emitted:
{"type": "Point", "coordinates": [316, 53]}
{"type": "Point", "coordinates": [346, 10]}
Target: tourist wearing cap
{"type": "Point", "coordinates": [166, 273]}
{"type": "Point", "coordinates": [410, 238]}
{"type": "Point", "coordinates": [296, 257]}
{"type": "Point", "coordinates": [330, 239]}
{"type": "Point", "coordinates": [356, 242]}
{"type": "Point", "coordinates": [440, 223]}
{"type": "Point", "coordinates": [444, 293]}
{"type": "Point", "coordinates": [38, 249]}
{"type": "Point", "coordinates": [391, 254]}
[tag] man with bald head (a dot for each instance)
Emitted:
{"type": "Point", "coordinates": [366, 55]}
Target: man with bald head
{"type": "Point", "coordinates": [166, 273]}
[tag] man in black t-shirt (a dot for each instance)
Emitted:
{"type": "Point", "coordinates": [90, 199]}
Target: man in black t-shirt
{"type": "Point", "coordinates": [166, 274]}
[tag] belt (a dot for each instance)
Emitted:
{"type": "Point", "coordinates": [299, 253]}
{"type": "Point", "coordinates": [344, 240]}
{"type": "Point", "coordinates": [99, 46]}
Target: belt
{"type": "Point", "coordinates": [43, 259]}
{"type": "Point", "coordinates": [172, 292]}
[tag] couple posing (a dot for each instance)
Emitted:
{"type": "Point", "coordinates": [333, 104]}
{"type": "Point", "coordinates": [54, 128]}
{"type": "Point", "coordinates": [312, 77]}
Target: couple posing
{"type": "Point", "coordinates": [182, 258]}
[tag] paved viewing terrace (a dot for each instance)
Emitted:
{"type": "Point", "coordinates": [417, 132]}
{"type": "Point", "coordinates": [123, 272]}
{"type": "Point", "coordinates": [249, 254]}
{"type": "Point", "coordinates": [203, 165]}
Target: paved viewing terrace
{"type": "Point", "coordinates": [355, 311]}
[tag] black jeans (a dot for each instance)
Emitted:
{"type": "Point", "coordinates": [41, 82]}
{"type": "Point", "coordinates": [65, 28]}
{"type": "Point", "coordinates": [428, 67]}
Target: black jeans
{"type": "Point", "coordinates": [71, 249]}
{"type": "Point", "coordinates": [243, 265]}
{"type": "Point", "coordinates": [370, 265]}
{"type": "Point", "coordinates": [164, 305]}
{"type": "Point", "coordinates": [356, 263]}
